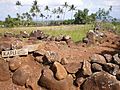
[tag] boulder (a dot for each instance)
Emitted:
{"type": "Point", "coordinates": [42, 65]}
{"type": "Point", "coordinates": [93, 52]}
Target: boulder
{"type": "Point", "coordinates": [72, 68]}
{"type": "Point", "coordinates": [96, 58]}
{"type": "Point", "coordinates": [59, 70]}
{"type": "Point", "coordinates": [4, 71]}
{"type": "Point", "coordinates": [15, 63]}
{"type": "Point", "coordinates": [116, 59]}
{"type": "Point", "coordinates": [108, 57]}
{"type": "Point", "coordinates": [111, 68]}
{"type": "Point", "coordinates": [101, 81]}
{"type": "Point", "coordinates": [96, 67]}
{"type": "Point", "coordinates": [86, 69]}
{"type": "Point", "coordinates": [21, 75]}
{"type": "Point", "coordinates": [51, 57]}
{"type": "Point", "coordinates": [48, 81]}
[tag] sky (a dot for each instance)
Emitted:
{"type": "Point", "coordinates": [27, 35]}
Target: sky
{"type": "Point", "coordinates": [9, 7]}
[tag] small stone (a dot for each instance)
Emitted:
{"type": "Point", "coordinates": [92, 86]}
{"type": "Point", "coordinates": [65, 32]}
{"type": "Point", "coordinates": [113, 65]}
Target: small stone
{"type": "Point", "coordinates": [64, 61]}
{"type": "Point", "coordinates": [39, 59]}
{"type": "Point", "coordinates": [96, 67]}
{"type": "Point", "coordinates": [60, 72]}
{"type": "Point", "coordinates": [108, 57]}
{"type": "Point", "coordinates": [111, 68]}
{"type": "Point", "coordinates": [86, 68]}
{"type": "Point", "coordinates": [79, 81]}
{"type": "Point", "coordinates": [118, 75]}
{"type": "Point", "coordinates": [116, 59]}
{"type": "Point", "coordinates": [96, 58]}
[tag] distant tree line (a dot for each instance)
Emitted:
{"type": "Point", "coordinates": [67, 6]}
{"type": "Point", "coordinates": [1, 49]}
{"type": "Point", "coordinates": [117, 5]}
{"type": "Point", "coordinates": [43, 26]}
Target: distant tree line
{"type": "Point", "coordinates": [56, 16]}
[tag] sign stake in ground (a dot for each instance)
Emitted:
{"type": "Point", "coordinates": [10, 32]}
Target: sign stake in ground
{"type": "Point", "coordinates": [15, 52]}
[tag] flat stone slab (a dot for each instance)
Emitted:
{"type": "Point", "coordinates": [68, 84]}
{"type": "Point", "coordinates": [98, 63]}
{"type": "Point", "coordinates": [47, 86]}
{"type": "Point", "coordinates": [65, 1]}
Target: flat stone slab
{"type": "Point", "coordinates": [31, 48]}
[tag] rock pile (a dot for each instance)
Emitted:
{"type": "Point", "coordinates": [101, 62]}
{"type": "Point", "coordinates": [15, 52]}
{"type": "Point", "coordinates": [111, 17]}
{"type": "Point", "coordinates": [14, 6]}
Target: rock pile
{"type": "Point", "coordinates": [54, 66]}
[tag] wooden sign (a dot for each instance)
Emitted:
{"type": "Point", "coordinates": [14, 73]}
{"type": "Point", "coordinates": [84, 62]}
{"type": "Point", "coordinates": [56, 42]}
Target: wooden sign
{"type": "Point", "coordinates": [31, 48]}
{"type": "Point", "coordinates": [14, 52]}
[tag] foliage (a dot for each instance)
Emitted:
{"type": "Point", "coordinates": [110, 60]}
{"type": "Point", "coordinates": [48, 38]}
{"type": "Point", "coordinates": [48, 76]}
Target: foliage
{"type": "Point", "coordinates": [82, 17]}
{"type": "Point", "coordinates": [104, 15]}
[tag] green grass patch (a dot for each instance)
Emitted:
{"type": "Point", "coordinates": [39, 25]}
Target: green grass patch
{"type": "Point", "coordinates": [77, 32]}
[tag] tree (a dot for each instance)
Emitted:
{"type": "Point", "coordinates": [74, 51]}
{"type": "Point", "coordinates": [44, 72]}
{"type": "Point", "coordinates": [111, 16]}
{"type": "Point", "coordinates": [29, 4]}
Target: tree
{"type": "Point", "coordinates": [42, 16]}
{"type": "Point", "coordinates": [81, 17]}
{"type": "Point", "coordinates": [35, 9]}
{"type": "Point", "coordinates": [47, 10]}
{"type": "Point", "coordinates": [18, 4]}
{"type": "Point", "coordinates": [72, 8]}
{"type": "Point", "coordinates": [104, 15]}
{"type": "Point", "coordinates": [54, 11]}
{"type": "Point", "coordinates": [65, 6]}
{"type": "Point", "coordinates": [60, 12]}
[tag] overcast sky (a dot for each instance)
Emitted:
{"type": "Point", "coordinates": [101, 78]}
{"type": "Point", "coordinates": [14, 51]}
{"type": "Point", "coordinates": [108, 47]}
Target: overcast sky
{"type": "Point", "coordinates": [9, 7]}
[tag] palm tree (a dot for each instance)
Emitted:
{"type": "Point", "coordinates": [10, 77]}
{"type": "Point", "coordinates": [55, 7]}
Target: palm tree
{"type": "Point", "coordinates": [42, 16]}
{"type": "Point", "coordinates": [18, 4]}
{"type": "Point", "coordinates": [72, 8]}
{"type": "Point", "coordinates": [35, 9]}
{"type": "Point", "coordinates": [54, 11]}
{"type": "Point", "coordinates": [47, 10]}
{"type": "Point", "coordinates": [60, 12]}
{"type": "Point", "coordinates": [65, 6]}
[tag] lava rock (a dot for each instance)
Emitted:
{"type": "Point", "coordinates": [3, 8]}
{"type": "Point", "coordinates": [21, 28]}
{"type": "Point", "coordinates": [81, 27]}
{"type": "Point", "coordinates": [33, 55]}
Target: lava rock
{"type": "Point", "coordinates": [15, 63]}
{"type": "Point", "coordinates": [21, 75]}
{"type": "Point", "coordinates": [48, 81]}
{"type": "Point", "coordinates": [108, 57]}
{"type": "Point", "coordinates": [86, 68]}
{"type": "Point", "coordinates": [4, 71]}
{"type": "Point", "coordinates": [111, 68]}
{"type": "Point", "coordinates": [96, 58]}
{"type": "Point", "coordinates": [72, 68]}
{"type": "Point", "coordinates": [96, 67]}
{"type": "Point", "coordinates": [101, 81]}
{"type": "Point", "coordinates": [60, 72]}
{"type": "Point", "coordinates": [116, 59]}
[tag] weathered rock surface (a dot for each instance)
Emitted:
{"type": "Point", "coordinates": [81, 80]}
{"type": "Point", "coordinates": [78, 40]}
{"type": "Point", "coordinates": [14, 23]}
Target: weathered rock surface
{"type": "Point", "coordinates": [108, 57]}
{"type": "Point", "coordinates": [60, 72]}
{"type": "Point", "coordinates": [4, 71]}
{"type": "Point", "coordinates": [15, 63]}
{"type": "Point", "coordinates": [116, 59]}
{"type": "Point", "coordinates": [96, 58]}
{"type": "Point", "coordinates": [101, 81]}
{"type": "Point", "coordinates": [96, 67]}
{"type": "Point", "coordinates": [48, 81]}
{"type": "Point", "coordinates": [73, 67]}
{"type": "Point", "coordinates": [111, 68]}
{"type": "Point", "coordinates": [21, 75]}
{"type": "Point", "coordinates": [86, 69]}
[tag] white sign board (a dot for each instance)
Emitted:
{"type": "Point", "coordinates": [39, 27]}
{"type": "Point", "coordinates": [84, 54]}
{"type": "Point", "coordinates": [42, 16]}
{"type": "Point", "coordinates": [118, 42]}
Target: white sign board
{"type": "Point", "coordinates": [14, 52]}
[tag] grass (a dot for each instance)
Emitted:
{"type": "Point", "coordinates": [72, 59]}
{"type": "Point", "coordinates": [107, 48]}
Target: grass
{"type": "Point", "coordinates": [77, 32]}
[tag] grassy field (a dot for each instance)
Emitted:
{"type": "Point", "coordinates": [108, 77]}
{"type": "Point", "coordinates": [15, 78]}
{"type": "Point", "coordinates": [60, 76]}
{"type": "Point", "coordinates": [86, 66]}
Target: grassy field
{"type": "Point", "coordinates": [77, 32]}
